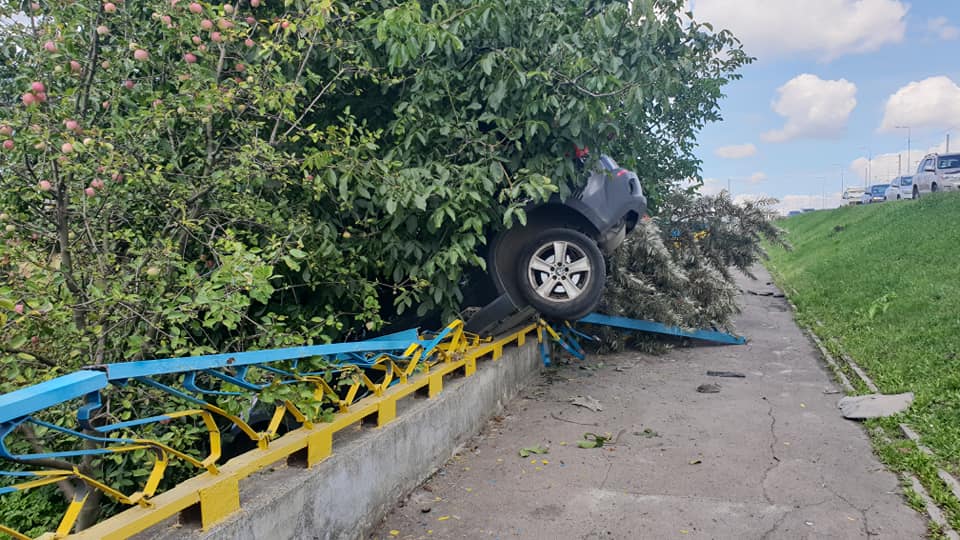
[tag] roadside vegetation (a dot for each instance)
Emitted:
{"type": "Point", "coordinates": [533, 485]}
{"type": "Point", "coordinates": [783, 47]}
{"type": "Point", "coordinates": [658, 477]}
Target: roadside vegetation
{"type": "Point", "coordinates": [881, 283]}
{"type": "Point", "coordinates": [181, 178]}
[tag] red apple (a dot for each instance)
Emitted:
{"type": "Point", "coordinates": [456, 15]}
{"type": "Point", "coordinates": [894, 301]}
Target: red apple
{"type": "Point", "coordinates": [254, 3]}
{"type": "Point", "coordinates": [216, 37]}
{"type": "Point", "coordinates": [8, 144]}
{"type": "Point", "coordinates": [37, 86]}
{"type": "Point", "coordinates": [110, 7]}
{"type": "Point", "coordinates": [103, 30]}
{"type": "Point", "coordinates": [18, 308]}
{"type": "Point", "coordinates": [196, 40]}
{"type": "Point", "coordinates": [66, 148]}
{"type": "Point", "coordinates": [224, 24]}
{"type": "Point", "coordinates": [90, 192]}
{"type": "Point", "coordinates": [251, 21]}
{"type": "Point", "coordinates": [129, 84]}
{"type": "Point", "coordinates": [195, 8]}
{"type": "Point", "coordinates": [190, 58]}
{"type": "Point", "coordinates": [6, 130]}
{"type": "Point", "coordinates": [228, 9]}
{"type": "Point", "coordinates": [249, 42]}
{"type": "Point", "coordinates": [72, 125]}
{"type": "Point", "coordinates": [141, 55]}
{"type": "Point", "coordinates": [50, 46]}
{"type": "Point", "coordinates": [206, 24]}
{"type": "Point", "coordinates": [45, 185]}
{"type": "Point", "coordinates": [165, 19]}
{"type": "Point", "coordinates": [75, 66]}
{"type": "Point", "coordinates": [28, 99]}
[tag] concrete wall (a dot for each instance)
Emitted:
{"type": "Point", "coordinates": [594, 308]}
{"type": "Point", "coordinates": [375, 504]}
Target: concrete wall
{"type": "Point", "coordinates": [372, 469]}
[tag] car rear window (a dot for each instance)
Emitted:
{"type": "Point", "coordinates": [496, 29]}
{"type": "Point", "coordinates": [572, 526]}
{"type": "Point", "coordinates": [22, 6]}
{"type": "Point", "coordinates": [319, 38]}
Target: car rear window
{"type": "Point", "coordinates": [949, 162]}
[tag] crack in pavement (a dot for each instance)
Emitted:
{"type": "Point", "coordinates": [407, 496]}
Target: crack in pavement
{"type": "Point", "coordinates": [773, 453]}
{"type": "Point", "coordinates": [862, 511]}
{"type": "Point", "coordinates": [787, 514]}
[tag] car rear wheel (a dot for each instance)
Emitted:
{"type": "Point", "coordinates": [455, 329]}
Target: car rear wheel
{"type": "Point", "coordinates": [561, 272]}
{"type": "Point", "coordinates": [934, 188]}
{"type": "Point", "coordinates": [916, 192]}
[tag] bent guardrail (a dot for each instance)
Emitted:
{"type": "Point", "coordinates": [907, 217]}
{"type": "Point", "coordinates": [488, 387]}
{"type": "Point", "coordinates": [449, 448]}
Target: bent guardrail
{"type": "Point", "coordinates": [358, 380]}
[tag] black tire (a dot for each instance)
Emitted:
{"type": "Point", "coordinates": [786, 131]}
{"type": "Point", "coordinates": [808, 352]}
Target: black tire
{"type": "Point", "coordinates": [916, 192]}
{"type": "Point", "coordinates": [934, 188]}
{"type": "Point", "coordinates": [544, 283]}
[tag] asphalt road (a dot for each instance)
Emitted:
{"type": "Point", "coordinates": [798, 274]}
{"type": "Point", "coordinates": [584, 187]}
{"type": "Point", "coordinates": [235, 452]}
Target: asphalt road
{"type": "Point", "coordinates": [768, 456]}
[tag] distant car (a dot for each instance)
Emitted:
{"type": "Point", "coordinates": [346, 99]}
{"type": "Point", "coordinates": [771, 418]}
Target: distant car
{"type": "Point", "coordinates": [875, 194]}
{"type": "Point", "coordinates": [937, 172]}
{"type": "Point", "coordinates": [853, 195]}
{"type": "Point", "coordinates": [900, 188]}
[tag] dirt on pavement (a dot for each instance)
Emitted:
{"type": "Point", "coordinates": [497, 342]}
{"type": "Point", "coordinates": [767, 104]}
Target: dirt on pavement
{"type": "Point", "coordinates": [766, 456]}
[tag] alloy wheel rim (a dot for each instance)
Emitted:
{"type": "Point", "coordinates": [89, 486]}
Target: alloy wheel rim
{"type": "Point", "coordinates": [559, 271]}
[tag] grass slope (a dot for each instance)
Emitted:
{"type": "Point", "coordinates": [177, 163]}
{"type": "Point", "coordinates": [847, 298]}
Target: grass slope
{"type": "Point", "coordinates": [882, 284]}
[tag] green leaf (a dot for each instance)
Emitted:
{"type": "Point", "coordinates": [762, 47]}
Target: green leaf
{"type": "Point", "coordinates": [538, 449]}
{"type": "Point", "coordinates": [17, 341]}
{"type": "Point", "coordinates": [486, 64]}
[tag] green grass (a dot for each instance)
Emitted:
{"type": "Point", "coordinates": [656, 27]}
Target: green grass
{"type": "Point", "coordinates": [881, 283]}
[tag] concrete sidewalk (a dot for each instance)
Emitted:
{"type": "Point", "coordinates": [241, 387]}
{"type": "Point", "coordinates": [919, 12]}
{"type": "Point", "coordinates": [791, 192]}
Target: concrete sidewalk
{"type": "Point", "coordinates": [767, 457]}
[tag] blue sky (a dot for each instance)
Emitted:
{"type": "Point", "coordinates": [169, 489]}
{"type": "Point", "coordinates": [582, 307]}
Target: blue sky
{"type": "Point", "coordinates": [832, 80]}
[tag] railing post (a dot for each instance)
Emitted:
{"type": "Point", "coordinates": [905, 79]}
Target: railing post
{"type": "Point", "coordinates": [219, 501]}
{"type": "Point", "coordinates": [319, 446]}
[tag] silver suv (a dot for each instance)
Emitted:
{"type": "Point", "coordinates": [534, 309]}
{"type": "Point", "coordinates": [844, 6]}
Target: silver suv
{"type": "Point", "coordinates": [937, 172]}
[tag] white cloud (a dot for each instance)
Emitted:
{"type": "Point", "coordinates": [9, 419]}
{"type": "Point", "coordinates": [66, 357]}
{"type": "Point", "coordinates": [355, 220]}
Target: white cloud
{"type": "Point", "coordinates": [942, 28]}
{"type": "Point", "coordinates": [736, 151]}
{"type": "Point", "coordinates": [711, 186]}
{"type": "Point", "coordinates": [813, 108]}
{"type": "Point", "coordinates": [930, 103]}
{"type": "Point", "coordinates": [796, 202]}
{"type": "Point", "coordinates": [825, 28]}
{"type": "Point", "coordinates": [884, 167]}
{"type": "Point", "coordinates": [800, 202]}
{"type": "Point", "coordinates": [757, 177]}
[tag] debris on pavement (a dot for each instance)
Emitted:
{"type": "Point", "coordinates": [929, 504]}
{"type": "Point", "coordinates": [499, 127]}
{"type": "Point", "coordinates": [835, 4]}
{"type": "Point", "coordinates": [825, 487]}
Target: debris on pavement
{"type": "Point", "coordinates": [538, 449]}
{"type": "Point", "coordinates": [709, 388]}
{"type": "Point", "coordinates": [587, 403]}
{"type": "Point", "coordinates": [728, 374]}
{"type": "Point", "coordinates": [874, 405]}
{"type": "Point", "coordinates": [592, 440]}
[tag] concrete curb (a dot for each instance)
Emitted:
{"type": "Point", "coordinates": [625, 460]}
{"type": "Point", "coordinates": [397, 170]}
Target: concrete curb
{"type": "Point", "coordinates": [346, 495]}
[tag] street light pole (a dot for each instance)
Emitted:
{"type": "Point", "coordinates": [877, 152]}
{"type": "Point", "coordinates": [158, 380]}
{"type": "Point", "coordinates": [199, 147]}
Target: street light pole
{"type": "Point", "coordinates": [869, 170]}
{"type": "Point", "coordinates": [908, 145]}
